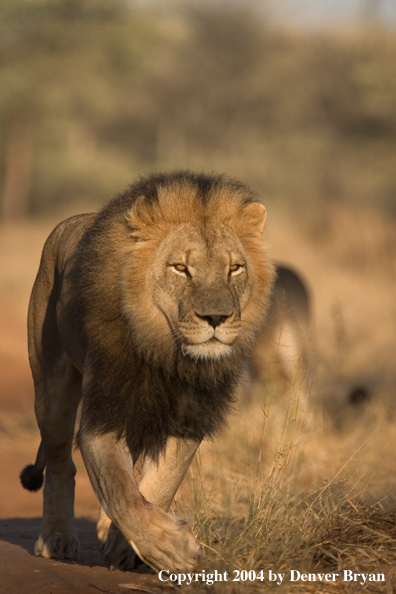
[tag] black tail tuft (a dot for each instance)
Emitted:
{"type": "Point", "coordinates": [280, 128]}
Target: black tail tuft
{"type": "Point", "coordinates": [32, 477]}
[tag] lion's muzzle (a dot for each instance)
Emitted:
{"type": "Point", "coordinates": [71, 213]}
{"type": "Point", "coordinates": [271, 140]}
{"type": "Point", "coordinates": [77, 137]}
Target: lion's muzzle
{"type": "Point", "coordinates": [214, 320]}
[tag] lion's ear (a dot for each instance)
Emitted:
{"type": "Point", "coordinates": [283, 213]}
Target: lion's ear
{"type": "Point", "coordinates": [140, 215]}
{"type": "Point", "coordinates": [143, 216]}
{"type": "Point", "coordinates": [252, 219]}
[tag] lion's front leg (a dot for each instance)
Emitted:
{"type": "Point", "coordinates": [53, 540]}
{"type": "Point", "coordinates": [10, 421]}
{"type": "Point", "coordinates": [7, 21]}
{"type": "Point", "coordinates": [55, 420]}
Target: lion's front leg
{"type": "Point", "coordinates": [162, 541]}
{"type": "Point", "coordinates": [113, 545]}
{"type": "Point", "coordinates": [160, 480]}
{"type": "Point", "coordinates": [159, 483]}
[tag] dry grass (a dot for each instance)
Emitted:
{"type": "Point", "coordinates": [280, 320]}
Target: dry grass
{"type": "Point", "coordinates": [310, 499]}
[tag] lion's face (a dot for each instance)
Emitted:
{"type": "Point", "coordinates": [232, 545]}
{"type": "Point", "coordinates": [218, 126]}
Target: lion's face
{"type": "Point", "coordinates": [201, 286]}
{"type": "Point", "coordinates": [206, 275]}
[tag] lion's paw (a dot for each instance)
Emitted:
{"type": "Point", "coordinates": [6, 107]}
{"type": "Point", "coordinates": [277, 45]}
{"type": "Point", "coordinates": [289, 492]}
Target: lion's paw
{"type": "Point", "coordinates": [117, 551]}
{"type": "Point", "coordinates": [57, 546]}
{"type": "Point", "coordinates": [172, 547]}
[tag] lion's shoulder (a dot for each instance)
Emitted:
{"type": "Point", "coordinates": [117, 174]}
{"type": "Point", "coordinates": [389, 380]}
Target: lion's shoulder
{"type": "Point", "coordinates": [66, 235]}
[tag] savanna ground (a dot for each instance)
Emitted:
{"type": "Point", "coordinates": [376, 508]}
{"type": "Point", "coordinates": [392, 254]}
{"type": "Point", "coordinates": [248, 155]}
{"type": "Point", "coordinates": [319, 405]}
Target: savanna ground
{"type": "Point", "coordinates": [303, 480]}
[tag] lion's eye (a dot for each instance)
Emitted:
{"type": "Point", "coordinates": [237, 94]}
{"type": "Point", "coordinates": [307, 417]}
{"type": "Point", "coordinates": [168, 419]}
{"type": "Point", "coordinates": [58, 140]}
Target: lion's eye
{"type": "Point", "coordinates": [181, 268]}
{"type": "Point", "coordinates": [235, 268]}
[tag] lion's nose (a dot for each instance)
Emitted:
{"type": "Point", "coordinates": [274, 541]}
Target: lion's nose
{"type": "Point", "coordinates": [214, 320]}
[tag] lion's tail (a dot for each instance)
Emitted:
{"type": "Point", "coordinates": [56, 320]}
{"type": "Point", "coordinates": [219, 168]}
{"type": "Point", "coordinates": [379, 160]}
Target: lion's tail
{"type": "Point", "coordinates": [32, 476]}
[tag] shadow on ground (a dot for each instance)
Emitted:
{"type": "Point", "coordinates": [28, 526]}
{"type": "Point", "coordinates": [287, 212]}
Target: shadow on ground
{"type": "Point", "coordinates": [23, 532]}
{"type": "Point", "coordinates": [23, 573]}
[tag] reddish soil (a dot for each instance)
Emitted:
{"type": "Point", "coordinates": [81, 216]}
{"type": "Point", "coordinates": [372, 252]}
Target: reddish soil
{"type": "Point", "coordinates": [20, 511]}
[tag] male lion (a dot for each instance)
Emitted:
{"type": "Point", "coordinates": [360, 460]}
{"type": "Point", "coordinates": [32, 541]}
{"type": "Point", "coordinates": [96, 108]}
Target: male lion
{"type": "Point", "coordinates": [147, 311]}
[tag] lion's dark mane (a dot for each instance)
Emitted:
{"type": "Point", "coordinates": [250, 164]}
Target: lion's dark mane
{"type": "Point", "coordinates": [145, 404]}
{"type": "Point", "coordinates": [148, 187]}
{"type": "Point", "coordinates": [125, 393]}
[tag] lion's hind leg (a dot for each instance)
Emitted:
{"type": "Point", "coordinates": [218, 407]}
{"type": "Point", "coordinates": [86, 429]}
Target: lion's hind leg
{"type": "Point", "coordinates": [57, 396]}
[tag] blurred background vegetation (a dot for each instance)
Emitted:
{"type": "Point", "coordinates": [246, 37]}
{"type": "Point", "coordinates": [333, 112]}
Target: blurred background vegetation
{"type": "Point", "coordinates": [96, 92]}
